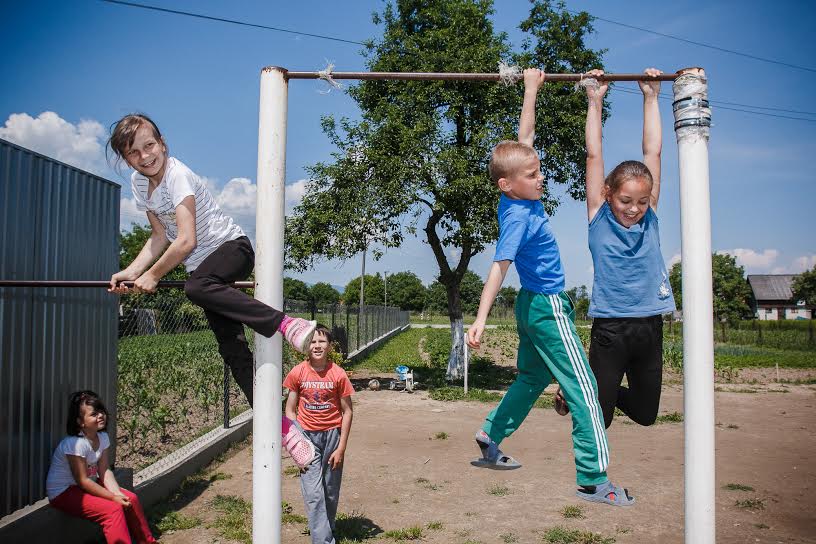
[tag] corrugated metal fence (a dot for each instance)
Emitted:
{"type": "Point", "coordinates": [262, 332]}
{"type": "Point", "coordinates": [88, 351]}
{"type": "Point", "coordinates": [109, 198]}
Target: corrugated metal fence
{"type": "Point", "coordinates": [57, 222]}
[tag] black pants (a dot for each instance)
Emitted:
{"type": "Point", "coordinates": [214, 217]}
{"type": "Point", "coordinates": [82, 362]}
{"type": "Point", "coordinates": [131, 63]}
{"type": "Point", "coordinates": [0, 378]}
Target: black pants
{"type": "Point", "coordinates": [228, 309]}
{"type": "Point", "coordinates": [631, 346]}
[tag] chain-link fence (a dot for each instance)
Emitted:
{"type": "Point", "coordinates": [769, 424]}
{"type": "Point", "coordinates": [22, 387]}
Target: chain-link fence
{"type": "Point", "coordinates": [172, 379]}
{"type": "Point", "coordinates": [169, 312]}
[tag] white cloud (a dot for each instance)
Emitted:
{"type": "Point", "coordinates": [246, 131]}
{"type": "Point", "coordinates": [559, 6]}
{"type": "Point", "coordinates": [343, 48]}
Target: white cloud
{"type": "Point", "coordinates": [128, 213]}
{"type": "Point", "coordinates": [752, 259]}
{"type": "Point", "coordinates": [455, 254]}
{"type": "Point", "coordinates": [81, 145]}
{"type": "Point", "coordinates": [294, 193]}
{"type": "Point", "coordinates": [211, 185]}
{"type": "Point", "coordinates": [238, 197]}
{"type": "Point", "coordinates": [674, 260]}
{"type": "Point", "coordinates": [803, 263]}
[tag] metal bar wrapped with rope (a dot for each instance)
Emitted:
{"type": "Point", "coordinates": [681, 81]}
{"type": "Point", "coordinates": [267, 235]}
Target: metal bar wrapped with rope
{"type": "Point", "coordinates": [458, 76]}
{"type": "Point", "coordinates": [164, 284]}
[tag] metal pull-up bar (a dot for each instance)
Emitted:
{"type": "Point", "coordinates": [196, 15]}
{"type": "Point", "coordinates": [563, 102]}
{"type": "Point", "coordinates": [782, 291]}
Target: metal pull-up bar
{"type": "Point", "coordinates": [458, 76]}
{"type": "Point", "coordinates": [692, 122]}
{"type": "Point", "coordinates": [163, 284]}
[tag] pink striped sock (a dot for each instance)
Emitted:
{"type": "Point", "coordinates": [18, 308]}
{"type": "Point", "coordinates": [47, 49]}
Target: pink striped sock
{"type": "Point", "coordinates": [285, 323]}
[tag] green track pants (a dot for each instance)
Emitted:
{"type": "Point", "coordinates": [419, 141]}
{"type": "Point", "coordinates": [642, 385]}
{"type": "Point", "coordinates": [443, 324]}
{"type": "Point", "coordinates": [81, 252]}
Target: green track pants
{"type": "Point", "coordinates": [549, 348]}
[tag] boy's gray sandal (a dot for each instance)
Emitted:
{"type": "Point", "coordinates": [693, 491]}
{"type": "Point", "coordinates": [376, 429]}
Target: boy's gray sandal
{"type": "Point", "coordinates": [501, 462]}
{"type": "Point", "coordinates": [492, 457]}
{"type": "Point", "coordinates": [608, 493]}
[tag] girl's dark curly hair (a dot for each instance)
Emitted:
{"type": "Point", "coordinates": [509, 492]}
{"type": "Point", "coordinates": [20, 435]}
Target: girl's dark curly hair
{"type": "Point", "coordinates": [75, 409]}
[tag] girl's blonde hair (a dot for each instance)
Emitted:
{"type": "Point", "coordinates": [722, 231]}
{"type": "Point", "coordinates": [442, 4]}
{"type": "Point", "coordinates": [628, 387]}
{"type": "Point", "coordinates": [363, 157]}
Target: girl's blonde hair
{"type": "Point", "coordinates": [124, 131]}
{"type": "Point", "coordinates": [625, 171]}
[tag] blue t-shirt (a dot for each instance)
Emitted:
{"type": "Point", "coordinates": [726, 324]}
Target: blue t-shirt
{"type": "Point", "coordinates": [525, 237]}
{"type": "Point", "coordinates": [630, 274]}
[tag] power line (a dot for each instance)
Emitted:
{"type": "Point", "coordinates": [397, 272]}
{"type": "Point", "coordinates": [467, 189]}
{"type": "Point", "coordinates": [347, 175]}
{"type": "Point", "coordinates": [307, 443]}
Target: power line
{"type": "Point", "coordinates": [231, 21]}
{"type": "Point", "coordinates": [325, 37]}
{"type": "Point", "coordinates": [752, 106]}
{"type": "Point", "coordinates": [667, 97]}
{"type": "Point", "coordinates": [701, 44]}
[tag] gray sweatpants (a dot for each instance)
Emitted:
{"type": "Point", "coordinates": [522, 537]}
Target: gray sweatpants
{"type": "Point", "coordinates": [321, 486]}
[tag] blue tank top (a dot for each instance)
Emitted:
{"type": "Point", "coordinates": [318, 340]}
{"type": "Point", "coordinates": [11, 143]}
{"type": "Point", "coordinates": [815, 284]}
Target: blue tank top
{"type": "Point", "coordinates": [630, 274]}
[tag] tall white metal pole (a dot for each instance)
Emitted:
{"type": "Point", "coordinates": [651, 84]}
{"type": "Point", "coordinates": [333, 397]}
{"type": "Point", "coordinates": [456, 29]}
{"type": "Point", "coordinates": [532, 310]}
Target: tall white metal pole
{"type": "Point", "coordinates": [266, 421]}
{"type": "Point", "coordinates": [692, 121]}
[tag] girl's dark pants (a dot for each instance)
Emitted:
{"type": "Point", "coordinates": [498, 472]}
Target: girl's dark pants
{"type": "Point", "coordinates": [229, 309]}
{"type": "Point", "coordinates": [631, 346]}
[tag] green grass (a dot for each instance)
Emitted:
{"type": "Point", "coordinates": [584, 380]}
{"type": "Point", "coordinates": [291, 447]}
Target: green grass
{"type": "Point", "coordinates": [739, 356]}
{"type": "Point", "coordinates": [164, 516]}
{"type": "Point", "coordinates": [435, 526]}
{"type": "Point", "coordinates": [451, 393]}
{"type": "Point", "coordinates": [442, 435]}
{"type": "Point", "coordinates": [750, 504]}
{"type": "Point", "coordinates": [572, 511]}
{"type": "Point", "coordinates": [234, 520]}
{"type": "Point", "coordinates": [288, 516]}
{"type": "Point", "coordinates": [508, 538]}
{"type": "Point", "coordinates": [403, 349]}
{"type": "Point", "coordinates": [498, 490]}
{"type": "Point", "coordinates": [738, 487]}
{"type": "Point", "coordinates": [353, 528]}
{"type": "Point", "coordinates": [427, 484]}
{"type": "Point", "coordinates": [562, 535]}
{"type": "Point", "coordinates": [175, 521]}
{"type": "Point", "coordinates": [674, 417]}
{"type": "Point", "coordinates": [410, 533]}
{"type": "Point", "coordinates": [294, 472]}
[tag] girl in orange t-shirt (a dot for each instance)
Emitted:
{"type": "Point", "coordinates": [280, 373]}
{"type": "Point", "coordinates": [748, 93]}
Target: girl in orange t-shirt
{"type": "Point", "coordinates": [320, 400]}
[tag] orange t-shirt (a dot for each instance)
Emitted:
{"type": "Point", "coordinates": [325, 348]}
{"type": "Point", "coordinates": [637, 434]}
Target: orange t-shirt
{"type": "Point", "coordinates": [319, 395]}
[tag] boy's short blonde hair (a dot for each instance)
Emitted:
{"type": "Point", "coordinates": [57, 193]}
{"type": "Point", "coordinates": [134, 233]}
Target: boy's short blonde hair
{"type": "Point", "coordinates": [506, 157]}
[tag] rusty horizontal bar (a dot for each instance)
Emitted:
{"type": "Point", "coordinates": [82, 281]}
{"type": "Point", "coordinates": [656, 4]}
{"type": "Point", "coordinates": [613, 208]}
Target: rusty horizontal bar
{"type": "Point", "coordinates": [166, 284]}
{"type": "Point", "coordinates": [454, 76]}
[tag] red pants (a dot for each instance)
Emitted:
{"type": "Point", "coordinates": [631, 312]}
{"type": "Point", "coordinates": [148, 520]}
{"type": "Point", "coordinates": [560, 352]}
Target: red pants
{"type": "Point", "coordinates": [114, 519]}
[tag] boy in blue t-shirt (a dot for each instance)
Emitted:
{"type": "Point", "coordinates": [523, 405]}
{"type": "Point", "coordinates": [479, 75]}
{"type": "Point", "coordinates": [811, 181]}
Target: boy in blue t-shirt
{"type": "Point", "coordinates": [549, 346]}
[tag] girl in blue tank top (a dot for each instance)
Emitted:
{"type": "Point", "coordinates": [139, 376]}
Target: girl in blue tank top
{"type": "Point", "coordinates": [631, 287]}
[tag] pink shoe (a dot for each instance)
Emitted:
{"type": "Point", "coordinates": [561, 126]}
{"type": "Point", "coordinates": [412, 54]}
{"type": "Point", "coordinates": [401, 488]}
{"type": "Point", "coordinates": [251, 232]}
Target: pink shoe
{"type": "Point", "coordinates": [299, 333]}
{"type": "Point", "coordinates": [299, 447]}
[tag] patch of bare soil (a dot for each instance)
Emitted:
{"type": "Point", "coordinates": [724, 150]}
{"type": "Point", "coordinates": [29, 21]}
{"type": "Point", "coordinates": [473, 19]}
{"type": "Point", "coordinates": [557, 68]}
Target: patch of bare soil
{"type": "Point", "coordinates": [400, 473]}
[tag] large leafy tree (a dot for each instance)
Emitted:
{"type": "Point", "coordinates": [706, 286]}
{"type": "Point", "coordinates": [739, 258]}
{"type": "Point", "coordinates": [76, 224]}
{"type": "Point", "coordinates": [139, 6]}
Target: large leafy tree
{"type": "Point", "coordinates": [406, 291]}
{"type": "Point", "coordinates": [374, 287]}
{"type": "Point", "coordinates": [471, 290]}
{"type": "Point", "coordinates": [804, 287]}
{"type": "Point", "coordinates": [436, 299]}
{"type": "Point", "coordinates": [731, 291]}
{"type": "Point", "coordinates": [416, 161]}
{"type": "Point", "coordinates": [580, 298]}
{"type": "Point", "coordinates": [324, 293]}
{"type": "Point", "coordinates": [296, 290]}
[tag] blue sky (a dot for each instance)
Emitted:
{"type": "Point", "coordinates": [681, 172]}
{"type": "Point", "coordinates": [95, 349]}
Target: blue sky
{"type": "Point", "coordinates": [73, 68]}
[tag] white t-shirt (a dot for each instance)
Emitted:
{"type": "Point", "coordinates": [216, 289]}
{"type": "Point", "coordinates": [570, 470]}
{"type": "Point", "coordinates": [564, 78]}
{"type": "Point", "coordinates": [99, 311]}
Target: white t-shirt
{"type": "Point", "coordinates": [60, 477]}
{"type": "Point", "coordinates": [213, 226]}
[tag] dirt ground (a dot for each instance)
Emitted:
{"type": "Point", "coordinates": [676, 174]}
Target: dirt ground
{"type": "Point", "coordinates": [400, 474]}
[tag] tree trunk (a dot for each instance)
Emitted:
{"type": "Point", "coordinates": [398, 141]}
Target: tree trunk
{"type": "Point", "coordinates": [452, 280]}
{"type": "Point", "coordinates": [456, 358]}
